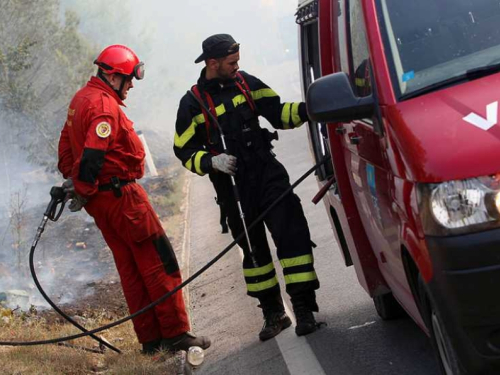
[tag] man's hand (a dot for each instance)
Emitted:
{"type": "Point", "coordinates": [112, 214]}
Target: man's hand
{"type": "Point", "coordinates": [69, 189]}
{"type": "Point", "coordinates": [77, 203]}
{"type": "Point", "coordinates": [225, 163]}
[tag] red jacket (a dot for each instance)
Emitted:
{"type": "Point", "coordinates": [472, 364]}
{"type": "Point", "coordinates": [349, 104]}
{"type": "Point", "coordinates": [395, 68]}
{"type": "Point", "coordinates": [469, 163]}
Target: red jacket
{"type": "Point", "coordinates": [98, 141]}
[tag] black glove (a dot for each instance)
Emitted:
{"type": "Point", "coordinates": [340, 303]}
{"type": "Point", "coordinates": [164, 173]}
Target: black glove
{"type": "Point", "coordinates": [69, 189]}
{"type": "Point", "coordinates": [77, 203]}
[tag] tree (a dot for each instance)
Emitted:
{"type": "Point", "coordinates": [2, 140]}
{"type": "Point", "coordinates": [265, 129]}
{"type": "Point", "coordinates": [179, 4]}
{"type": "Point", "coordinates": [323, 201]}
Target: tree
{"type": "Point", "coordinates": [43, 61]}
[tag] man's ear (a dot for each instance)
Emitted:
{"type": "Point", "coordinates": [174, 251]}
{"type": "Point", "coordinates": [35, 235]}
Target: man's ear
{"type": "Point", "coordinates": [112, 78]}
{"type": "Point", "coordinates": [212, 64]}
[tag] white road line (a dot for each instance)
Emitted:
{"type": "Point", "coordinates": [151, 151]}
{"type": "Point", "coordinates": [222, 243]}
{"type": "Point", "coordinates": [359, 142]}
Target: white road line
{"type": "Point", "coordinates": [362, 325]}
{"type": "Point", "coordinates": [296, 351]}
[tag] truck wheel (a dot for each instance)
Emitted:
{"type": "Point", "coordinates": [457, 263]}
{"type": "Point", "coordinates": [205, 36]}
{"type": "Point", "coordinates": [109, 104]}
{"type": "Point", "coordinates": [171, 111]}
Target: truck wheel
{"type": "Point", "coordinates": [388, 307]}
{"type": "Point", "coordinates": [441, 342]}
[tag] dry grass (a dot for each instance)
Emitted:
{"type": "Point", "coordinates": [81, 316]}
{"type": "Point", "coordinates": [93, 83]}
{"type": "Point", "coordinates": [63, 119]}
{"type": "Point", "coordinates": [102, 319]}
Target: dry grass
{"type": "Point", "coordinates": [167, 196]}
{"type": "Point", "coordinates": [54, 359]}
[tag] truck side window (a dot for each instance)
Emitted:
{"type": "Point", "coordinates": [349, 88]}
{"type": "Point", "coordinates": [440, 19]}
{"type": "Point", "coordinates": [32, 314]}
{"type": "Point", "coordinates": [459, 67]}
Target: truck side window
{"type": "Point", "coordinates": [342, 37]}
{"type": "Point", "coordinates": [359, 50]}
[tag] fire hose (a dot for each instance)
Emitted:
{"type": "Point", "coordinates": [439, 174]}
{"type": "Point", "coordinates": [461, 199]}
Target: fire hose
{"type": "Point", "coordinates": [58, 198]}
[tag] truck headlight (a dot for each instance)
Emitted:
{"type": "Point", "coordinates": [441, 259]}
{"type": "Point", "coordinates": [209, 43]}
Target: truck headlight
{"type": "Point", "coordinates": [461, 206]}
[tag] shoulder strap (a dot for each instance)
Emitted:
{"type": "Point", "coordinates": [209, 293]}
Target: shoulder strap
{"type": "Point", "coordinates": [245, 90]}
{"type": "Point", "coordinates": [211, 108]}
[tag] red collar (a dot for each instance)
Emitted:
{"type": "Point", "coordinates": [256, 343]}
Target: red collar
{"type": "Point", "coordinates": [100, 84]}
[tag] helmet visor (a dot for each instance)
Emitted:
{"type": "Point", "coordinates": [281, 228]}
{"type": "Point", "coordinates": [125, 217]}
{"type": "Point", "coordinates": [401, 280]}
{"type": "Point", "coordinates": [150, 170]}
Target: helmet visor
{"type": "Point", "coordinates": [139, 71]}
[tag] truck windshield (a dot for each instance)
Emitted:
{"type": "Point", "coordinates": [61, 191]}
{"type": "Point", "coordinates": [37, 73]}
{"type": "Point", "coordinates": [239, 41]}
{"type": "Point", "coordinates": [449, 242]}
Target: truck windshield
{"type": "Point", "coordinates": [435, 43]}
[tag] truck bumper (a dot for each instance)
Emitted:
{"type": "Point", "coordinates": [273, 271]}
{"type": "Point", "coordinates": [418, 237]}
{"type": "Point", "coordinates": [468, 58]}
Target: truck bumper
{"type": "Point", "coordinates": [466, 290]}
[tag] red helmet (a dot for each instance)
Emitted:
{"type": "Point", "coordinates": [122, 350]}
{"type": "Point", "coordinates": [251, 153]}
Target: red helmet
{"type": "Point", "coordinates": [120, 59]}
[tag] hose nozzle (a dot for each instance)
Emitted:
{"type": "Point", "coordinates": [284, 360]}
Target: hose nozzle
{"type": "Point", "coordinates": [58, 195]}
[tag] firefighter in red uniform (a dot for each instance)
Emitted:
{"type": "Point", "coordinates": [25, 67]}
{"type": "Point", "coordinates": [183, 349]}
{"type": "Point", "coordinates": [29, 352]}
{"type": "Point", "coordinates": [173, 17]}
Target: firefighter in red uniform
{"type": "Point", "coordinates": [101, 156]}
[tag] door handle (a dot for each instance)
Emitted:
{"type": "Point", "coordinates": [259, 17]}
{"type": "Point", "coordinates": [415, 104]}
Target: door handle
{"type": "Point", "coordinates": [355, 140]}
{"type": "Point", "coordinates": [340, 130]}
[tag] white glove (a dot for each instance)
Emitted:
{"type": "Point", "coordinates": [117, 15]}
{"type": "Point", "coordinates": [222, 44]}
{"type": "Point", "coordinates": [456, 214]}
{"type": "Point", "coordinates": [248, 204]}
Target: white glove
{"type": "Point", "coordinates": [77, 203]}
{"type": "Point", "coordinates": [225, 163]}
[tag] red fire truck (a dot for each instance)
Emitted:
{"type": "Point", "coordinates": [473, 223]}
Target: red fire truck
{"type": "Point", "coordinates": [403, 94]}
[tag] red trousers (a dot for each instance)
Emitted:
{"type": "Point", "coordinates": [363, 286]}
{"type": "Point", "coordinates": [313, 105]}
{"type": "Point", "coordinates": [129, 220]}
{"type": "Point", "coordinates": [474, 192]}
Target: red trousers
{"type": "Point", "coordinates": [144, 258]}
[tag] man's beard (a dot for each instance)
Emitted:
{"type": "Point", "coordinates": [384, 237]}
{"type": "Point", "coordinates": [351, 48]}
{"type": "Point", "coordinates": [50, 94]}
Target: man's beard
{"type": "Point", "coordinates": [225, 76]}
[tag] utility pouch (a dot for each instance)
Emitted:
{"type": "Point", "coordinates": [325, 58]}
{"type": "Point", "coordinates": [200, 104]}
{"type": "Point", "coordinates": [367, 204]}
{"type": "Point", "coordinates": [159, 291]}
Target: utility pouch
{"type": "Point", "coordinates": [250, 133]}
{"type": "Point", "coordinates": [269, 137]}
{"type": "Point", "coordinates": [115, 186]}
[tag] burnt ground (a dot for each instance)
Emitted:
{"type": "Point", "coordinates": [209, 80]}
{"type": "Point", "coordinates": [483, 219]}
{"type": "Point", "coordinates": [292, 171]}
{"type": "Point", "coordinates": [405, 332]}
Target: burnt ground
{"type": "Point", "coordinates": [74, 264]}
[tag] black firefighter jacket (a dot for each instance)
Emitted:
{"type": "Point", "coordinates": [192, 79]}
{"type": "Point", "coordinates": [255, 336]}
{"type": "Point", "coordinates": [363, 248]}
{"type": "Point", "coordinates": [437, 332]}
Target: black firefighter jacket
{"type": "Point", "coordinates": [196, 142]}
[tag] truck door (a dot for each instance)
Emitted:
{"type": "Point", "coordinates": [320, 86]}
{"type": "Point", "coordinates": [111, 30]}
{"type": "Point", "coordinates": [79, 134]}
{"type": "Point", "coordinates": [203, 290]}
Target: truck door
{"type": "Point", "coordinates": [363, 143]}
{"type": "Point", "coordinates": [310, 63]}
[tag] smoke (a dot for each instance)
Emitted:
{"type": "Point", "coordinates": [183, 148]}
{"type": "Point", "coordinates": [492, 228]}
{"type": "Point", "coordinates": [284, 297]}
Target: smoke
{"type": "Point", "coordinates": [167, 36]}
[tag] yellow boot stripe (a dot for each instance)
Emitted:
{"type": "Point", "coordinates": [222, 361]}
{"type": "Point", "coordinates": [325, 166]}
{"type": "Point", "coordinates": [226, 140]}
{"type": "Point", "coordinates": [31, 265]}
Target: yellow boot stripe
{"type": "Point", "coordinates": [297, 261]}
{"type": "Point", "coordinates": [252, 272]}
{"type": "Point", "coordinates": [300, 277]}
{"type": "Point", "coordinates": [259, 287]}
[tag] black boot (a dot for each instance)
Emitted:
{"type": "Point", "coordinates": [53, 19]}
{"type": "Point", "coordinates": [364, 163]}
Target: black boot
{"type": "Point", "coordinates": [151, 347]}
{"type": "Point", "coordinates": [275, 318]}
{"type": "Point", "coordinates": [305, 321]}
{"type": "Point", "coordinates": [274, 323]}
{"type": "Point", "coordinates": [303, 306]}
{"type": "Point", "coordinates": [185, 341]}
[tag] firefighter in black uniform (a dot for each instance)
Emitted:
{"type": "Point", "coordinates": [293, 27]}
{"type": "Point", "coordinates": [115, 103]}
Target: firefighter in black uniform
{"type": "Point", "coordinates": [237, 99]}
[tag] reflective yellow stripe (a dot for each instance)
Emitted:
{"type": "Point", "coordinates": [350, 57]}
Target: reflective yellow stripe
{"type": "Point", "coordinates": [197, 162]}
{"type": "Point", "coordinates": [263, 93]}
{"type": "Point", "coordinates": [300, 277]}
{"type": "Point", "coordinates": [259, 287]}
{"type": "Point", "coordinates": [189, 163]}
{"type": "Point", "coordinates": [180, 141]}
{"type": "Point", "coordinates": [199, 119]}
{"type": "Point", "coordinates": [251, 272]}
{"type": "Point", "coordinates": [239, 99]}
{"type": "Point", "coordinates": [295, 114]}
{"type": "Point", "coordinates": [297, 261]}
{"type": "Point", "coordinates": [285, 116]}
{"type": "Point", "coordinates": [220, 110]}
{"type": "Point", "coordinates": [256, 95]}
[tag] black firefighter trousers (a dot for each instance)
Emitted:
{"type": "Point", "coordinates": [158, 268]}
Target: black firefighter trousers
{"type": "Point", "coordinates": [286, 222]}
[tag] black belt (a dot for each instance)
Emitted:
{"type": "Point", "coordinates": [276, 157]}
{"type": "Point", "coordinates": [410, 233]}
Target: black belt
{"type": "Point", "coordinates": [111, 186]}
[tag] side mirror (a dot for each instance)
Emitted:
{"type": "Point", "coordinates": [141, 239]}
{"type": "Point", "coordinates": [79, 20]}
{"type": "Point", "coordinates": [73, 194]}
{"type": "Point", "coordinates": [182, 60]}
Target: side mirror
{"type": "Point", "coordinates": [331, 99]}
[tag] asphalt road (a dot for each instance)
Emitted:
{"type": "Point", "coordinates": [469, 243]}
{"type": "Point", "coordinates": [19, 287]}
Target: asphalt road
{"type": "Point", "coordinates": [354, 342]}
